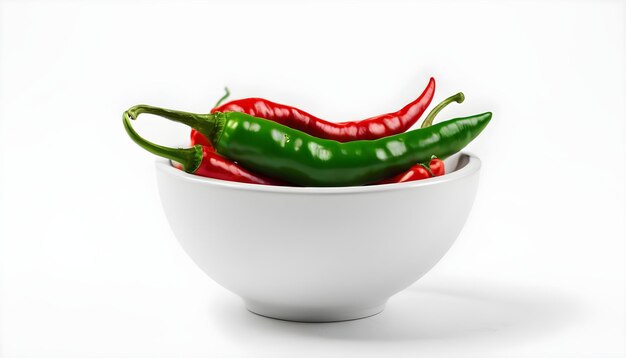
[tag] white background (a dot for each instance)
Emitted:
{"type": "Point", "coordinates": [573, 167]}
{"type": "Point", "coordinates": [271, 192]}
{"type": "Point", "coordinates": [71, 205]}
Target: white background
{"type": "Point", "coordinates": [91, 269]}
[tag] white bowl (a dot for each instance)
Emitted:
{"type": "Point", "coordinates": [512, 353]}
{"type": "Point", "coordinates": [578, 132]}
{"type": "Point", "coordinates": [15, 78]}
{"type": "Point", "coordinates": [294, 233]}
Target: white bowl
{"type": "Point", "coordinates": [317, 254]}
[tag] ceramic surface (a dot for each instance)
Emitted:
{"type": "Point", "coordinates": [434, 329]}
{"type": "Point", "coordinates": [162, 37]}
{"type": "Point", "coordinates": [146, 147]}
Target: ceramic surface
{"type": "Point", "coordinates": [317, 254]}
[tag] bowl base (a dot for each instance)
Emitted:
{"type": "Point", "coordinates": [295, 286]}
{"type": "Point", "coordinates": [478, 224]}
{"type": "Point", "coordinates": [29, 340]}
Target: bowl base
{"type": "Point", "coordinates": [312, 315]}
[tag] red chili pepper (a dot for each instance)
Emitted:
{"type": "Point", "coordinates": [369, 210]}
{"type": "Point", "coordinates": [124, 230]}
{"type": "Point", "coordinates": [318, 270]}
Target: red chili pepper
{"type": "Point", "coordinates": [371, 128]}
{"type": "Point", "coordinates": [198, 138]}
{"type": "Point", "coordinates": [436, 166]}
{"type": "Point", "coordinates": [419, 171]}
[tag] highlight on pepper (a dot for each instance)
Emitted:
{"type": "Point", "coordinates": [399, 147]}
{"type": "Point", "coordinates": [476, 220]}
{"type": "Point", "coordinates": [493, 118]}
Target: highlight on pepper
{"type": "Point", "coordinates": [256, 141]}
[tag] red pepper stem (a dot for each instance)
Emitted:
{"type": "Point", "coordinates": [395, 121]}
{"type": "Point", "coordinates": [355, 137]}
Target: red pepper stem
{"type": "Point", "coordinates": [223, 97]}
{"type": "Point", "coordinates": [458, 98]}
{"type": "Point", "coordinates": [189, 158]}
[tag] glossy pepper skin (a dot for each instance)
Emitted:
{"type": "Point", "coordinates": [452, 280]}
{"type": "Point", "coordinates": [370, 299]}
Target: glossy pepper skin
{"type": "Point", "coordinates": [419, 171]}
{"type": "Point", "coordinates": [436, 167]}
{"type": "Point", "coordinates": [272, 149]}
{"type": "Point", "coordinates": [197, 138]}
{"type": "Point", "coordinates": [366, 129]}
{"type": "Point", "coordinates": [416, 172]}
{"type": "Point", "coordinates": [201, 160]}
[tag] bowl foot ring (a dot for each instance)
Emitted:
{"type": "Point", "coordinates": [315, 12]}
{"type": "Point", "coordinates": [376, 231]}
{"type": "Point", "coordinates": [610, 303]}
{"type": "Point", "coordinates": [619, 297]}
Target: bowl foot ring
{"type": "Point", "coordinates": [312, 315]}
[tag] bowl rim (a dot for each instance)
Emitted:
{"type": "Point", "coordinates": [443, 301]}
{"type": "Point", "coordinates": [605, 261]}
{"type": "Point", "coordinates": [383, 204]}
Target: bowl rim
{"type": "Point", "coordinates": [472, 166]}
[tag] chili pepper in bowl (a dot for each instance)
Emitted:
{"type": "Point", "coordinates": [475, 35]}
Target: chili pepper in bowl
{"type": "Point", "coordinates": [275, 150]}
{"type": "Point", "coordinates": [419, 171]}
{"type": "Point", "coordinates": [371, 128]}
{"type": "Point", "coordinates": [200, 160]}
{"type": "Point", "coordinates": [416, 172]}
{"type": "Point", "coordinates": [436, 166]}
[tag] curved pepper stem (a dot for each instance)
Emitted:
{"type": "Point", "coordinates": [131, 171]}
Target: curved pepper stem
{"type": "Point", "coordinates": [223, 97]}
{"type": "Point", "coordinates": [458, 98]}
{"type": "Point", "coordinates": [189, 158]}
{"type": "Point", "coordinates": [203, 123]}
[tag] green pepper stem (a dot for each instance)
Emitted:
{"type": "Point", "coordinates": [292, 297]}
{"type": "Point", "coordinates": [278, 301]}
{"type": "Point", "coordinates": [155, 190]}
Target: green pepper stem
{"type": "Point", "coordinates": [189, 158]}
{"type": "Point", "coordinates": [223, 97]}
{"type": "Point", "coordinates": [203, 123]}
{"type": "Point", "coordinates": [458, 98]}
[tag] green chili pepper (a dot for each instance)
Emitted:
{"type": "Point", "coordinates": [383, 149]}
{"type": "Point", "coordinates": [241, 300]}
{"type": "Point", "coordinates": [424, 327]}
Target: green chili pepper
{"type": "Point", "coordinates": [288, 154]}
